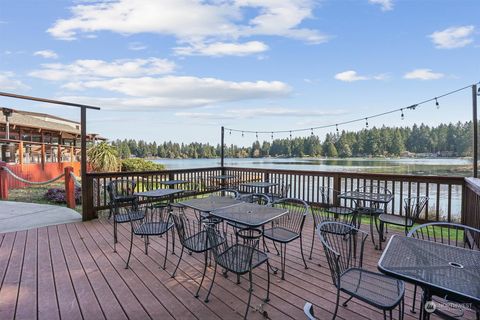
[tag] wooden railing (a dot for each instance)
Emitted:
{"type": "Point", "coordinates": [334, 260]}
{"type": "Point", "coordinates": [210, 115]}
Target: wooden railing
{"type": "Point", "coordinates": [471, 209]}
{"type": "Point", "coordinates": [445, 193]}
{"type": "Point", "coordinates": [37, 152]}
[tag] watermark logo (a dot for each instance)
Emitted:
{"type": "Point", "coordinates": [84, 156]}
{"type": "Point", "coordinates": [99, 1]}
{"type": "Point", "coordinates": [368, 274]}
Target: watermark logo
{"type": "Point", "coordinates": [430, 306]}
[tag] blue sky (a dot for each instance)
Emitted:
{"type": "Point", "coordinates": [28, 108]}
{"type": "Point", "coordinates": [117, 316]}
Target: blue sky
{"type": "Point", "coordinates": [179, 69]}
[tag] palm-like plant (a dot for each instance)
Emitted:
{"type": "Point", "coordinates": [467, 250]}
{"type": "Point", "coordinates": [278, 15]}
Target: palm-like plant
{"type": "Point", "coordinates": [103, 158]}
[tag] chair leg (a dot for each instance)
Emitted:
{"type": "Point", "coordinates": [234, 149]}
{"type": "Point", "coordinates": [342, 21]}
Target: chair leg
{"type": "Point", "coordinates": [211, 284]}
{"type": "Point", "coordinates": [313, 241]}
{"type": "Point", "coordinates": [414, 299]}
{"type": "Point", "coordinates": [178, 263]}
{"type": "Point", "coordinates": [146, 244]}
{"type": "Point", "coordinates": [283, 251]}
{"type": "Point", "coordinates": [238, 279]}
{"type": "Point", "coordinates": [250, 289]}
{"type": "Point", "coordinates": [166, 252]}
{"type": "Point", "coordinates": [267, 299]}
{"type": "Point", "coordinates": [203, 275]}
{"type": "Point", "coordinates": [336, 305]}
{"type": "Point", "coordinates": [301, 250]}
{"type": "Point", "coordinates": [173, 240]}
{"type": "Point", "coordinates": [130, 250]}
{"type": "Point", "coordinates": [384, 315]}
{"type": "Point", "coordinates": [114, 236]}
{"type": "Point", "coordinates": [347, 301]}
{"type": "Point", "coordinates": [275, 245]}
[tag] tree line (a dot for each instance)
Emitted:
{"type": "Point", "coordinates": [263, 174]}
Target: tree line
{"type": "Point", "coordinates": [442, 140]}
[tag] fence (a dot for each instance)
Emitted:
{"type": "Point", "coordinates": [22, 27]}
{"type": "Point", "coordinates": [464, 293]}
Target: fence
{"type": "Point", "coordinates": [445, 193]}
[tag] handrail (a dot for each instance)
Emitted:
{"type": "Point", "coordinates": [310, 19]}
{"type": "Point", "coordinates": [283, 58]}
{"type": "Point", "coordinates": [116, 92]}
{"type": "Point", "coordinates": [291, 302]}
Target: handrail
{"type": "Point", "coordinates": [446, 193]}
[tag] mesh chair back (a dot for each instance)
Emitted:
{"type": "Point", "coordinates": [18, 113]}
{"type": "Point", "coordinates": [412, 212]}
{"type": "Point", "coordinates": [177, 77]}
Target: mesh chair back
{"type": "Point", "coordinates": [413, 207]}
{"type": "Point", "coordinates": [452, 234]}
{"type": "Point", "coordinates": [284, 190]}
{"type": "Point", "coordinates": [121, 190]}
{"type": "Point", "coordinates": [327, 195]}
{"type": "Point", "coordinates": [230, 193]}
{"type": "Point", "coordinates": [236, 257]}
{"type": "Point", "coordinates": [187, 229]}
{"type": "Point", "coordinates": [295, 218]}
{"type": "Point", "coordinates": [258, 198]}
{"type": "Point", "coordinates": [343, 246]}
{"type": "Point", "coordinates": [154, 222]}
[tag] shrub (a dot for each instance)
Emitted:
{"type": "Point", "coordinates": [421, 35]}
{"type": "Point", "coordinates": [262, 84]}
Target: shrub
{"type": "Point", "coordinates": [57, 195]}
{"type": "Point", "coordinates": [103, 158]}
{"type": "Point", "coordinates": [137, 164]}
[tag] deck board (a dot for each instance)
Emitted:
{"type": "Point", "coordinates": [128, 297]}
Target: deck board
{"type": "Point", "coordinates": [71, 272]}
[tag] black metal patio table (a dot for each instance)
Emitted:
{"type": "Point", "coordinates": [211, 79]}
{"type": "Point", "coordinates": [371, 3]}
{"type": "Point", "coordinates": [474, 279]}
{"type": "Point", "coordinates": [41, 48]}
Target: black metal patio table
{"type": "Point", "coordinates": [260, 185]}
{"type": "Point", "coordinates": [206, 205]}
{"type": "Point", "coordinates": [438, 268]}
{"type": "Point", "coordinates": [251, 215]}
{"type": "Point", "coordinates": [373, 198]}
{"type": "Point", "coordinates": [158, 193]}
{"type": "Point", "coordinates": [224, 178]}
{"type": "Point", "coordinates": [172, 183]}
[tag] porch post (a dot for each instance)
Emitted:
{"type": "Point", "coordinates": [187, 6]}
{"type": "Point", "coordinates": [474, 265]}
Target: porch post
{"type": "Point", "coordinates": [83, 164]}
{"type": "Point", "coordinates": [475, 131]}
{"type": "Point", "coordinates": [222, 150]}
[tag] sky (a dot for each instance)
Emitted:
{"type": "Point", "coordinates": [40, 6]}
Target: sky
{"type": "Point", "coordinates": [180, 69]}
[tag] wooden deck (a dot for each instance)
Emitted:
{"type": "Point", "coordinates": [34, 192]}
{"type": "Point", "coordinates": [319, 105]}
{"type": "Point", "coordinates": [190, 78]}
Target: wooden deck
{"type": "Point", "coordinates": [71, 272]}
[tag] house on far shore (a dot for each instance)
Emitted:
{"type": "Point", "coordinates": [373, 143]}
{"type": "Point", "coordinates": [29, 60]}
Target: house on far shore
{"type": "Point", "coordinates": [38, 146]}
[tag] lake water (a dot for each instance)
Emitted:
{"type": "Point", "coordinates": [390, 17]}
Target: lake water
{"type": "Point", "coordinates": [414, 166]}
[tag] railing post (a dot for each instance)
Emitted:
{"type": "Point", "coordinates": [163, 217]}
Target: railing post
{"type": "Point", "coordinates": [337, 185]}
{"type": "Point", "coordinates": [3, 181]}
{"type": "Point", "coordinates": [69, 188]}
{"type": "Point", "coordinates": [59, 153]}
{"type": "Point", "coordinates": [42, 155]}
{"type": "Point", "coordinates": [171, 176]}
{"type": "Point", "coordinates": [88, 213]}
{"type": "Point", "coordinates": [20, 152]}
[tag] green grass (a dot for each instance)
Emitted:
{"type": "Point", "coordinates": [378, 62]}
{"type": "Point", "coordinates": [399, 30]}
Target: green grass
{"type": "Point", "coordinates": [35, 194]}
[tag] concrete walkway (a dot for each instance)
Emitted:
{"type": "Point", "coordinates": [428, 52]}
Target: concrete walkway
{"type": "Point", "coordinates": [15, 216]}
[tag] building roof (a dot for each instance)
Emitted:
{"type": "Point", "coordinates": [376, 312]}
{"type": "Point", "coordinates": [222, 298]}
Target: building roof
{"type": "Point", "coordinates": [45, 122]}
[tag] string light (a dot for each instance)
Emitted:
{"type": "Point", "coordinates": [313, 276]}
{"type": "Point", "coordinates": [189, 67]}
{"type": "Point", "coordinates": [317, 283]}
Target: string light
{"type": "Point", "coordinates": [243, 134]}
{"type": "Point", "coordinates": [336, 126]}
{"type": "Point", "coordinates": [290, 135]}
{"type": "Point", "coordinates": [411, 107]}
{"type": "Point", "coordinates": [403, 116]}
{"type": "Point", "coordinates": [230, 132]}
{"type": "Point", "coordinates": [272, 135]}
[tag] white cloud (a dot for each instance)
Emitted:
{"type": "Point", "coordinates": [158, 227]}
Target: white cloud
{"type": "Point", "coordinates": [351, 76]}
{"type": "Point", "coordinates": [47, 54]}
{"type": "Point", "coordinates": [423, 74]}
{"type": "Point", "coordinates": [136, 46]}
{"type": "Point", "coordinates": [258, 112]}
{"type": "Point", "coordinates": [222, 49]}
{"type": "Point", "coordinates": [9, 83]}
{"type": "Point", "coordinates": [453, 37]}
{"type": "Point", "coordinates": [94, 69]}
{"type": "Point", "coordinates": [199, 91]}
{"type": "Point", "coordinates": [192, 21]}
{"type": "Point", "coordinates": [386, 5]}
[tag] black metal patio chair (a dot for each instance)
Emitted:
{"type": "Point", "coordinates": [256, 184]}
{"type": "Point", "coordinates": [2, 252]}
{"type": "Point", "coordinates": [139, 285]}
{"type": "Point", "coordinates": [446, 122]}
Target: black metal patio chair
{"type": "Point", "coordinates": [288, 228]}
{"type": "Point", "coordinates": [122, 204]}
{"type": "Point", "coordinates": [193, 237]}
{"type": "Point", "coordinates": [282, 194]}
{"type": "Point", "coordinates": [413, 207]}
{"type": "Point", "coordinates": [239, 257]}
{"type": "Point", "coordinates": [344, 255]}
{"type": "Point", "coordinates": [330, 212]}
{"type": "Point", "coordinates": [371, 209]}
{"type": "Point", "coordinates": [156, 222]}
{"type": "Point", "coordinates": [452, 234]}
